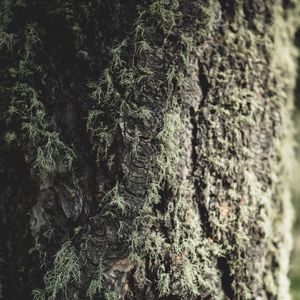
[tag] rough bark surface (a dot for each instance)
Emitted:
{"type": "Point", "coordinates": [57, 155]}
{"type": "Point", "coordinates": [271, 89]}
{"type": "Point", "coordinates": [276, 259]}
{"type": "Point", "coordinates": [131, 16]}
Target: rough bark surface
{"type": "Point", "coordinates": [144, 149]}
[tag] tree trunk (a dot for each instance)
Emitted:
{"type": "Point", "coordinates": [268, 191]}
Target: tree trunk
{"type": "Point", "coordinates": [145, 149]}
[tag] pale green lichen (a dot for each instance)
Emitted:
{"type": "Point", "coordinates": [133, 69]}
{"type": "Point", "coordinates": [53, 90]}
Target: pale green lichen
{"type": "Point", "coordinates": [193, 253]}
{"type": "Point", "coordinates": [115, 201]}
{"type": "Point", "coordinates": [162, 16]}
{"type": "Point", "coordinates": [6, 41]}
{"type": "Point", "coordinates": [41, 133]}
{"type": "Point", "coordinates": [66, 271]}
{"type": "Point", "coordinates": [164, 284]}
{"type": "Point", "coordinates": [38, 131]}
{"type": "Point", "coordinates": [111, 295]}
{"type": "Point", "coordinates": [96, 284]}
{"type": "Point", "coordinates": [5, 14]}
{"type": "Point", "coordinates": [10, 137]}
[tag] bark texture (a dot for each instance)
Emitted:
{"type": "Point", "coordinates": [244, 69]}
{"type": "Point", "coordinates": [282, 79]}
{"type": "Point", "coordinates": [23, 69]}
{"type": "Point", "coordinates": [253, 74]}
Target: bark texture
{"type": "Point", "coordinates": [145, 149]}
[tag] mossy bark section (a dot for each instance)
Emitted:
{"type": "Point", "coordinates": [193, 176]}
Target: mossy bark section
{"type": "Point", "coordinates": [146, 145]}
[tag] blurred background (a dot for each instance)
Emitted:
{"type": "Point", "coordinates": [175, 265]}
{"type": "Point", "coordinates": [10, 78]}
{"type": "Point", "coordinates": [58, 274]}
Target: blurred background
{"type": "Point", "coordinates": [295, 259]}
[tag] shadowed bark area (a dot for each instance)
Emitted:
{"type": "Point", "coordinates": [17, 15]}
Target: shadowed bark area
{"type": "Point", "coordinates": [145, 149]}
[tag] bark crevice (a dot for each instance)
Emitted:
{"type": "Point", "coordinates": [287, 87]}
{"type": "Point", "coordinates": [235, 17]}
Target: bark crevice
{"type": "Point", "coordinates": [203, 213]}
{"type": "Point", "coordinates": [226, 278]}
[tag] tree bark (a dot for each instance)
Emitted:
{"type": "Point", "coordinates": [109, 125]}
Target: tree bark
{"type": "Point", "coordinates": [145, 149]}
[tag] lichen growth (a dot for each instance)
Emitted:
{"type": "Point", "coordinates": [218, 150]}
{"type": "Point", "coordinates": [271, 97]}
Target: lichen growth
{"type": "Point", "coordinates": [97, 283]}
{"type": "Point", "coordinates": [164, 284]}
{"type": "Point", "coordinates": [114, 94]}
{"type": "Point", "coordinates": [112, 295]}
{"type": "Point", "coordinates": [66, 271]}
{"type": "Point", "coordinates": [188, 160]}
{"type": "Point", "coordinates": [41, 133]}
{"type": "Point", "coordinates": [114, 202]}
{"type": "Point", "coordinates": [37, 130]}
